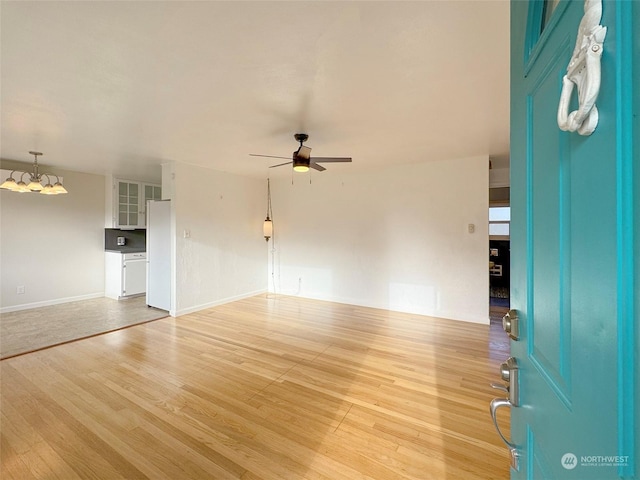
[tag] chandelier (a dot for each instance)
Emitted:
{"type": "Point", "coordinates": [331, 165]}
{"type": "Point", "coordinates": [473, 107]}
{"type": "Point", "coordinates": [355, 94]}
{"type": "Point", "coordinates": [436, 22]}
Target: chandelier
{"type": "Point", "coordinates": [35, 179]}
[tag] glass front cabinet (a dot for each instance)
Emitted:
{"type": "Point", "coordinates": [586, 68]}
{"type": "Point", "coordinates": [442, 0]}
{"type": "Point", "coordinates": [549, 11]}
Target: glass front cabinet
{"type": "Point", "coordinates": [131, 202]}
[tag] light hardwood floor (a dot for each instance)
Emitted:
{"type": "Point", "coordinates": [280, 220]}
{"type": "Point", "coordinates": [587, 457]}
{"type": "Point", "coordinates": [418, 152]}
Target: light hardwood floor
{"type": "Point", "coordinates": [282, 388]}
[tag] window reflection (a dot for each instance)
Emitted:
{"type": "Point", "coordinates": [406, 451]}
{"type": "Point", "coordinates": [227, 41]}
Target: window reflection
{"type": "Point", "coordinates": [549, 8]}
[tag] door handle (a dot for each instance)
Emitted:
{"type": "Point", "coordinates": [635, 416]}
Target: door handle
{"type": "Point", "coordinates": [497, 403]}
{"type": "Point", "coordinates": [508, 373]}
{"type": "Point", "coordinates": [514, 454]}
{"type": "Point", "coordinates": [510, 324]}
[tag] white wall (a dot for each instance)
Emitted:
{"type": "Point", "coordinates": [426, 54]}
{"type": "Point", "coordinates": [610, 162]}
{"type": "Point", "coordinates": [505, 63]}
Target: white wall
{"type": "Point", "coordinates": [394, 239]}
{"type": "Point", "coordinates": [224, 258]}
{"type": "Point", "coordinates": [52, 245]}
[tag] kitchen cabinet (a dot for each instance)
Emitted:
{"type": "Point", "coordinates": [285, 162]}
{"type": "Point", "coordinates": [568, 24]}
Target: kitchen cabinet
{"type": "Point", "coordinates": [125, 274]}
{"type": "Point", "coordinates": [130, 202]}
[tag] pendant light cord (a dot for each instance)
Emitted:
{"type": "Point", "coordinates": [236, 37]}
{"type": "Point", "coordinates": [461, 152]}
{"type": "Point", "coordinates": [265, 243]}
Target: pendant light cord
{"type": "Point", "coordinates": [269, 212]}
{"type": "Point", "coordinates": [273, 246]}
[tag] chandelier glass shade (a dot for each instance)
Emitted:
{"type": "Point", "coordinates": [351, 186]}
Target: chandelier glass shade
{"type": "Point", "coordinates": [36, 181]}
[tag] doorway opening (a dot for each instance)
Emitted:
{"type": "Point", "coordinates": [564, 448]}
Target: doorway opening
{"type": "Point", "coordinates": [499, 251]}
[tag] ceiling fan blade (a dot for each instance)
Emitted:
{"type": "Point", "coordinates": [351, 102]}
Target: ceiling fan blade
{"type": "Point", "coordinates": [268, 156]}
{"type": "Point", "coordinates": [304, 152]}
{"type": "Point", "coordinates": [317, 167]}
{"type": "Point", "coordinates": [280, 164]}
{"type": "Point", "coordinates": [331, 159]}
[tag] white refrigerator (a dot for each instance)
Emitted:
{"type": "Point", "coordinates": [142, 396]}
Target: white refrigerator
{"type": "Point", "coordinates": [159, 254]}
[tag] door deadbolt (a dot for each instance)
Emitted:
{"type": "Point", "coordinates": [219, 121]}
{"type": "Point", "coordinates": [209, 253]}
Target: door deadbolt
{"type": "Point", "coordinates": [510, 324]}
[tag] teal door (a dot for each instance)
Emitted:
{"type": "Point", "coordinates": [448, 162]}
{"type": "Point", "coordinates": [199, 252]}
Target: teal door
{"type": "Point", "coordinates": [574, 239]}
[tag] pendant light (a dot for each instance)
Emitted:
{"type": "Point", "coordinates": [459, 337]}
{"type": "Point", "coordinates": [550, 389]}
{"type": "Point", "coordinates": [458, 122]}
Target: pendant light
{"type": "Point", "coordinates": [35, 181]}
{"type": "Point", "coordinates": [267, 227]}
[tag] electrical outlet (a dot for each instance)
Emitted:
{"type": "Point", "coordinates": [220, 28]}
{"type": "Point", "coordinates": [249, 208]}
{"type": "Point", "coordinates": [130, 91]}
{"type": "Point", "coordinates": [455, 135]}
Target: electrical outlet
{"type": "Point", "coordinates": [471, 227]}
{"type": "Point", "coordinates": [20, 289]}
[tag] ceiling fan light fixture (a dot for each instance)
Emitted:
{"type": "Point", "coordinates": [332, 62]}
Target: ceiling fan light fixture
{"type": "Point", "coordinates": [302, 160]}
{"type": "Point", "coordinates": [300, 164]}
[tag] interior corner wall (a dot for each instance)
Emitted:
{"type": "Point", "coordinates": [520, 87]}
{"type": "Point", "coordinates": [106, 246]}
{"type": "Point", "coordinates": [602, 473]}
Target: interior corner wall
{"type": "Point", "coordinates": [220, 252]}
{"type": "Point", "coordinates": [52, 245]}
{"type": "Point", "coordinates": [395, 239]}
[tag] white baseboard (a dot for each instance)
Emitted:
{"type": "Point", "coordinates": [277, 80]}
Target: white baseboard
{"type": "Point", "coordinates": [204, 306]}
{"type": "Point", "coordinates": [47, 303]}
{"type": "Point", "coordinates": [443, 314]}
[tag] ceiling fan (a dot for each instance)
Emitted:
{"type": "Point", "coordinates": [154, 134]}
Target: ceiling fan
{"type": "Point", "coordinates": [302, 159]}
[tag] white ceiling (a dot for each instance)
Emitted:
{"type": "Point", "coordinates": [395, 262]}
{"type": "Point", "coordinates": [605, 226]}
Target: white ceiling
{"type": "Point", "coordinates": [122, 87]}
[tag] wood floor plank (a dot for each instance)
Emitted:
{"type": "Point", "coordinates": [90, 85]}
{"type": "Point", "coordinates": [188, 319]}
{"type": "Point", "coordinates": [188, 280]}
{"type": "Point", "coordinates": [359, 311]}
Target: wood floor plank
{"type": "Point", "coordinates": [25, 454]}
{"type": "Point", "coordinates": [75, 443]}
{"type": "Point", "coordinates": [262, 388]}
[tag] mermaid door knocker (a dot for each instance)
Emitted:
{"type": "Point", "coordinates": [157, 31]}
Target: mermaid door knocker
{"type": "Point", "coordinates": [584, 72]}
